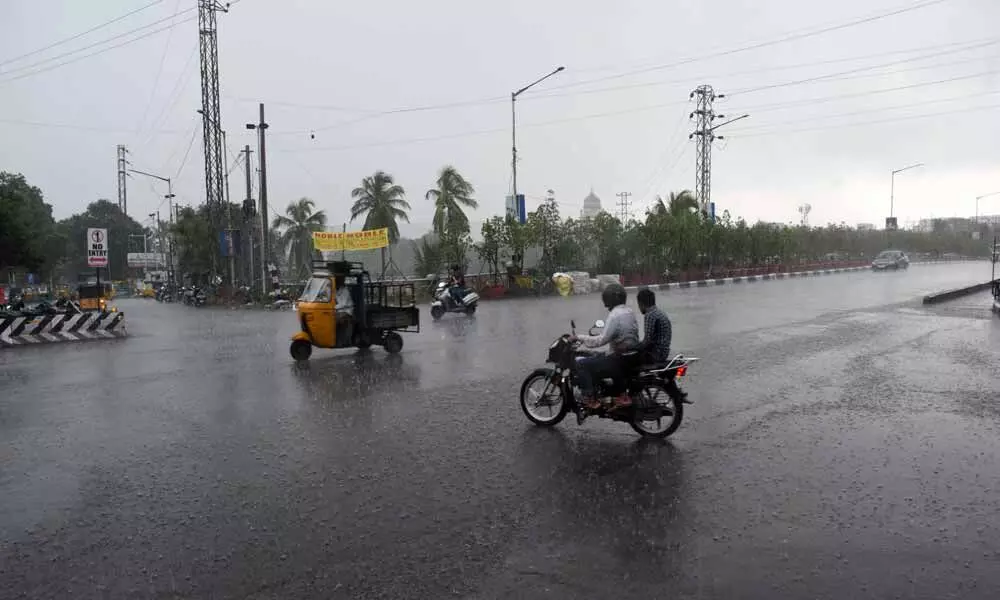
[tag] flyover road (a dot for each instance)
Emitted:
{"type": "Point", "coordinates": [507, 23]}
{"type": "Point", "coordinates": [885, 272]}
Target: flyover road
{"type": "Point", "coordinates": [843, 444]}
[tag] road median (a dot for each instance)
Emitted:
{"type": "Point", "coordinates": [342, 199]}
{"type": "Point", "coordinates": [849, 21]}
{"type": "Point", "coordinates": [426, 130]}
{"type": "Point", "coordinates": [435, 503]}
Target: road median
{"type": "Point", "coordinates": [957, 292]}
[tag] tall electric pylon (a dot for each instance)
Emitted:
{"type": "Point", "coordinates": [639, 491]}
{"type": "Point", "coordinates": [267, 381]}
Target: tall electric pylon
{"type": "Point", "coordinates": [704, 115]}
{"type": "Point", "coordinates": [122, 175]}
{"type": "Point", "coordinates": [211, 115]}
{"type": "Point", "coordinates": [623, 206]}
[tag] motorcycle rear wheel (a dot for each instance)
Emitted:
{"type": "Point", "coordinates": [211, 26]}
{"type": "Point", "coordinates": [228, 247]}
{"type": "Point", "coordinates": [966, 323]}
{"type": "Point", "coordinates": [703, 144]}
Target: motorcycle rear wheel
{"type": "Point", "coordinates": [538, 393]}
{"type": "Point", "coordinates": [655, 412]}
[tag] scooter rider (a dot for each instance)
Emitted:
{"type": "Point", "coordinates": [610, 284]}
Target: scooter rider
{"type": "Point", "coordinates": [620, 334]}
{"type": "Point", "coordinates": [457, 283]}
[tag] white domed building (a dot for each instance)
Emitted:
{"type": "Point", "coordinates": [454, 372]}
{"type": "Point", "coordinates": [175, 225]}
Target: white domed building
{"type": "Point", "coordinates": [591, 206]}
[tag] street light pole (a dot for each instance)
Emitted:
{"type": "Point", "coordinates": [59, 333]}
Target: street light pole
{"type": "Point", "coordinates": [978, 198]}
{"type": "Point", "coordinates": [170, 204]}
{"type": "Point", "coordinates": [513, 127]}
{"type": "Point", "coordinates": [892, 186]}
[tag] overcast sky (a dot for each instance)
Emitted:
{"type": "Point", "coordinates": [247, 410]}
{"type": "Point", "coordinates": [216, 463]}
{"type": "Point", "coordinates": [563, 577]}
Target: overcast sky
{"type": "Point", "coordinates": [615, 120]}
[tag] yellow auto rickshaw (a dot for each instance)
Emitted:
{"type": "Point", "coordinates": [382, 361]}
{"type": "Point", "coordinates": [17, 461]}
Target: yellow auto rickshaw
{"type": "Point", "coordinates": [370, 313]}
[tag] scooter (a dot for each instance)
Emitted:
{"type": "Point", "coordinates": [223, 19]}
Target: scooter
{"type": "Point", "coordinates": [445, 303]}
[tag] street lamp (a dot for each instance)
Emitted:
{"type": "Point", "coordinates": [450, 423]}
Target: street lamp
{"type": "Point", "coordinates": [892, 188]}
{"type": "Point", "coordinates": [170, 206]}
{"type": "Point", "coordinates": [513, 126]}
{"type": "Point", "coordinates": [978, 198]}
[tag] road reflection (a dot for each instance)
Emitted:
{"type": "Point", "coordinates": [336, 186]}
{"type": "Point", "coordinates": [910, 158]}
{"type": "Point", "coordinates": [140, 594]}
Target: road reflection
{"type": "Point", "coordinates": [612, 500]}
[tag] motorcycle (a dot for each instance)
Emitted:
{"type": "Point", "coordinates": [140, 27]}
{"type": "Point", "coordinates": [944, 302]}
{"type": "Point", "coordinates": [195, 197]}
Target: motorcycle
{"type": "Point", "coordinates": [445, 303]}
{"type": "Point", "coordinates": [549, 394]}
{"type": "Point", "coordinates": [194, 296]}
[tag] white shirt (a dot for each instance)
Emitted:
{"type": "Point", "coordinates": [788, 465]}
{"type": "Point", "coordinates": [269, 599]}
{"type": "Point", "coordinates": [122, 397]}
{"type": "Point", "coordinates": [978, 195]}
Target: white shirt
{"type": "Point", "coordinates": [621, 331]}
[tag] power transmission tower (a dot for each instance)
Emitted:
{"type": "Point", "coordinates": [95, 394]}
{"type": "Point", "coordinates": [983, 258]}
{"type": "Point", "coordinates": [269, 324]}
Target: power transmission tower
{"type": "Point", "coordinates": [122, 175]}
{"type": "Point", "coordinates": [211, 115]}
{"type": "Point", "coordinates": [623, 205]}
{"type": "Point", "coordinates": [704, 115]}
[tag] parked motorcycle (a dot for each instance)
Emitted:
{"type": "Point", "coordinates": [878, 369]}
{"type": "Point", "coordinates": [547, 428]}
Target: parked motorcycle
{"type": "Point", "coordinates": [444, 302]}
{"type": "Point", "coordinates": [657, 408]}
{"type": "Point", "coordinates": [193, 296]}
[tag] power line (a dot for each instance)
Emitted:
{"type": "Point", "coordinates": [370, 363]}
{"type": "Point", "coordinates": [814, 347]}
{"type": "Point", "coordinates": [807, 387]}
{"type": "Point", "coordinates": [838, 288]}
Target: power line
{"type": "Point", "coordinates": [179, 86]}
{"type": "Point", "coordinates": [808, 101]}
{"type": "Point", "coordinates": [766, 126]}
{"type": "Point", "coordinates": [81, 34]}
{"type": "Point", "coordinates": [98, 43]}
{"type": "Point", "coordinates": [864, 123]}
{"type": "Point", "coordinates": [101, 51]}
{"type": "Point", "coordinates": [969, 44]}
{"type": "Point", "coordinates": [488, 131]}
{"type": "Point", "coordinates": [186, 153]}
{"type": "Point", "coordinates": [839, 74]}
{"type": "Point", "coordinates": [159, 72]}
{"type": "Point", "coordinates": [758, 45]}
{"type": "Point", "coordinates": [80, 127]}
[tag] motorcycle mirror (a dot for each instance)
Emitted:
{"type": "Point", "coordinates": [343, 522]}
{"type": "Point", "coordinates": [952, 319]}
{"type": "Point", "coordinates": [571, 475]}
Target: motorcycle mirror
{"type": "Point", "coordinates": [599, 324]}
{"type": "Point", "coordinates": [572, 324]}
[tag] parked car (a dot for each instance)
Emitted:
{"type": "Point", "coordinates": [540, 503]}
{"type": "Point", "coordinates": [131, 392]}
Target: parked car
{"type": "Point", "coordinates": [890, 259]}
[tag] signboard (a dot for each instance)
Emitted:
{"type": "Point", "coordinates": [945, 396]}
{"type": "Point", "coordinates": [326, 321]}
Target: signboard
{"type": "Point", "coordinates": [149, 260]}
{"type": "Point", "coordinates": [97, 247]}
{"type": "Point", "coordinates": [891, 224]}
{"type": "Point", "coordinates": [328, 241]}
{"type": "Point", "coordinates": [517, 209]}
{"type": "Point", "coordinates": [229, 242]}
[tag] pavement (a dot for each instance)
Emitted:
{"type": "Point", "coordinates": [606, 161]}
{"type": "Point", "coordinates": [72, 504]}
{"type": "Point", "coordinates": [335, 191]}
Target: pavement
{"type": "Point", "coordinates": [843, 444]}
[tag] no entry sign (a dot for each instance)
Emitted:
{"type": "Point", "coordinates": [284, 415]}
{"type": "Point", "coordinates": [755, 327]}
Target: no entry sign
{"type": "Point", "coordinates": [97, 247]}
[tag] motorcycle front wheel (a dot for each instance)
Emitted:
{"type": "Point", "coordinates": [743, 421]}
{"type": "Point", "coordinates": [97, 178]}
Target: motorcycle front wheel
{"type": "Point", "coordinates": [655, 412]}
{"type": "Point", "coordinates": [543, 401]}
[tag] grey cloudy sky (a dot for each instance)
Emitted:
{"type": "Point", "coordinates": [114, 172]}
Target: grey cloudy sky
{"type": "Point", "coordinates": [920, 86]}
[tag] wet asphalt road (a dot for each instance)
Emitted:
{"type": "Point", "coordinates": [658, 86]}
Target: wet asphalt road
{"type": "Point", "coordinates": [843, 444]}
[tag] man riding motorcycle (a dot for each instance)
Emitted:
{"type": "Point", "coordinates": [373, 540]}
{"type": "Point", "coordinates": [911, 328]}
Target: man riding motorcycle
{"type": "Point", "coordinates": [620, 334]}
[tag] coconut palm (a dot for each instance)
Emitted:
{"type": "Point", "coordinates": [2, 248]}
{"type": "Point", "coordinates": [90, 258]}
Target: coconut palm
{"type": "Point", "coordinates": [297, 226]}
{"type": "Point", "coordinates": [678, 203]}
{"type": "Point", "coordinates": [381, 201]}
{"type": "Point", "coordinates": [453, 193]}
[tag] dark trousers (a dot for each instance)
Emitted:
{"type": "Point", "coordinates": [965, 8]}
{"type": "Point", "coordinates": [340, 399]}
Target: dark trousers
{"type": "Point", "coordinates": [597, 367]}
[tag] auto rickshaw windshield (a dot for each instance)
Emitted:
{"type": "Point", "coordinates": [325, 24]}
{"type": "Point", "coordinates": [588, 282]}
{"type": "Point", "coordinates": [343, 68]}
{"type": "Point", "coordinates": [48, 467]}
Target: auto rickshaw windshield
{"type": "Point", "coordinates": [316, 290]}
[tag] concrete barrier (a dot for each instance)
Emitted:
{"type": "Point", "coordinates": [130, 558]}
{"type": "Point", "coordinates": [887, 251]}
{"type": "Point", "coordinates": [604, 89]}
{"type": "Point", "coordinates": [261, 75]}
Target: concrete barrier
{"type": "Point", "coordinates": [957, 292]}
{"type": "Point", "coordinates": [26, 331]}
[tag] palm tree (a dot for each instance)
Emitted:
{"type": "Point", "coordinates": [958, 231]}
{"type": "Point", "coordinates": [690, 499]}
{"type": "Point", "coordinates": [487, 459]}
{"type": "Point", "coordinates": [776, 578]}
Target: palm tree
{"type": "Point", "coordinates": [453, 192]}
{"type": "Point", "coordinates": [679, 203]}
{"type": "Point", "coordinates": [381, 201]}
{"type": "Point", "coordinates": [298, 225]}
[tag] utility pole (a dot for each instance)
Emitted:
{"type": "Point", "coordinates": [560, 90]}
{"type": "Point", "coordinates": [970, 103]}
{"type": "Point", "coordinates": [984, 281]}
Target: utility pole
{"type": "Point", "coordinates": [249, 213]}
{"type": "Point", "coordinates": [704, 115]}
{"type": "Point", "coordinates": [623, 205]}
{"type": "Point", "coordinates": [211, 133]}
{"type": "Point", "coordinates": [261, 127]}
{"type": "Point", "coordinates": [513, 128]}
{"type": "Point", "coordinates": [122, 179]}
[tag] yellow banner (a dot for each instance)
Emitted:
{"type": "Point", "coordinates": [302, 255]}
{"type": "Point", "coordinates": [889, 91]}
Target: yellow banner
{"type": "Point", "coordinates": [330, 241]}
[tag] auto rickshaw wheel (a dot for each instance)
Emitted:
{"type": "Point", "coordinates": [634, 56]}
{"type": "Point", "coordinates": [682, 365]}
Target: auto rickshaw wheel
{"type": "Point", "coordinates": [393, 342]}
{"type": "Point", "coordinates": [437, 312]}
{"type": "Point", "coordinates": [300, 350]}
{"type": "Point", "coordinates": [362, 340]}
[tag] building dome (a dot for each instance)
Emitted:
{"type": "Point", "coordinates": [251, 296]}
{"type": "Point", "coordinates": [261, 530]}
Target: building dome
{"type": "Point", "coordinates": [591, 205]}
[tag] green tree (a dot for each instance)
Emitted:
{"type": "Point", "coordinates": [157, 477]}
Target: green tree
{"type": "Point", "coordinates": [297, 225]}
{"type": "Point", "coordinates": [451, 196]}
{"type": "Point", "coordinates": [102, 214]}
{"type": "Point", "coordinates": [26, 226]}
{"type": "Point", "coordinates": [544, 225]}
{"type": "Point", "coordinates": [427, 259]}
{"type": "Point", "coordinates": [194, 242]}
{"type": "Point", "coordinates": [516, 238]}
{"type": "Point", "coordinates": [382, 203]}
{"type": "Point", "coordinates": [491, 246]}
